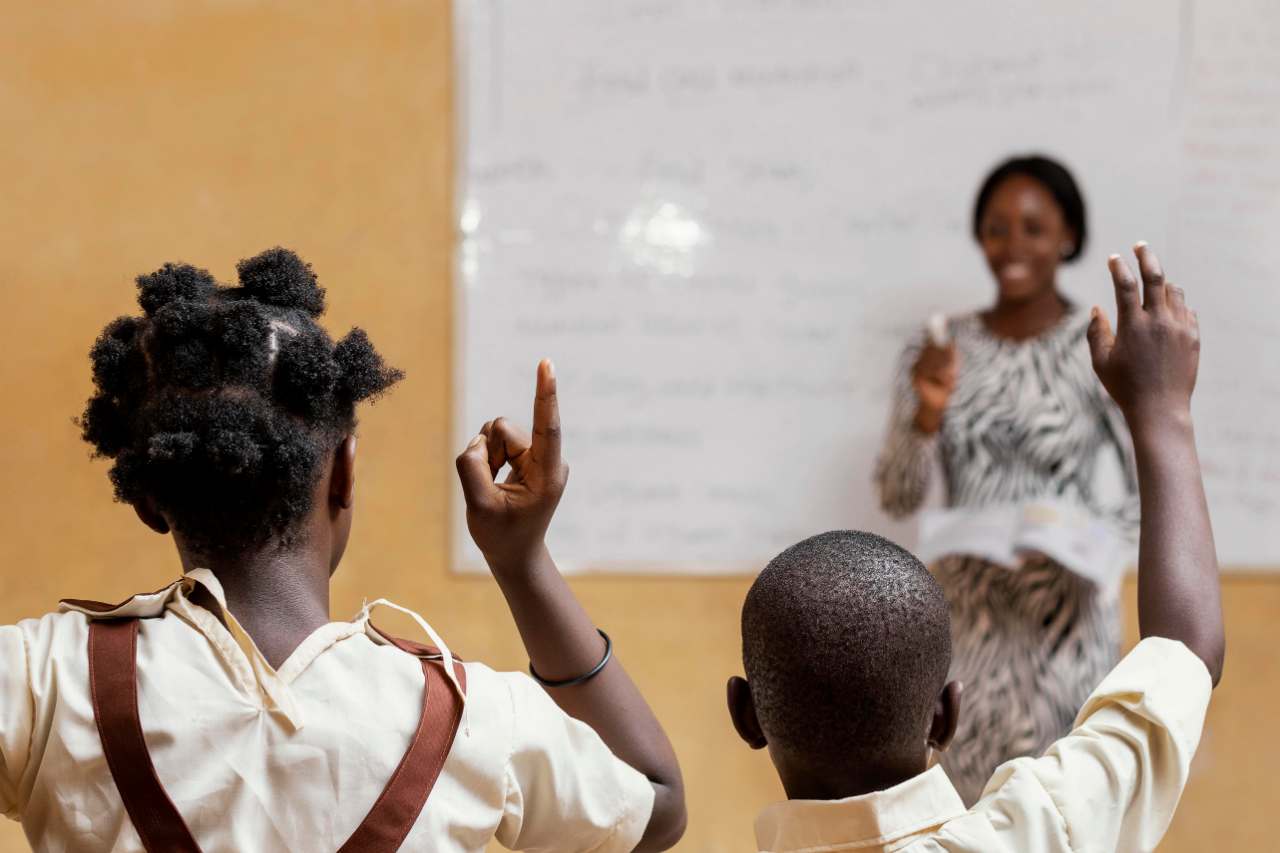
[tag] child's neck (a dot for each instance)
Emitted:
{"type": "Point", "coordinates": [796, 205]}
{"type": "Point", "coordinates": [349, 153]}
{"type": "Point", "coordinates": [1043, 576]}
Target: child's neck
{"type": "Point", "coordinates": [278, 597]}
{"type": "Point", "coordinates": [801, 784]}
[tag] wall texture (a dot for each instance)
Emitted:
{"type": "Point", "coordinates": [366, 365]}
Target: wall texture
{"type": "Point", "coordinates": [206, 131]}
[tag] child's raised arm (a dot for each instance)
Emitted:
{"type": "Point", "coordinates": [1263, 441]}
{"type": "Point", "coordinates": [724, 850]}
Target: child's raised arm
{"type": "Point", "coordinates": [1115, 781]}
{"type": "Point", "coordinates": [1149, 367]}
{"type": "Point", "coordinates": [508, 522]}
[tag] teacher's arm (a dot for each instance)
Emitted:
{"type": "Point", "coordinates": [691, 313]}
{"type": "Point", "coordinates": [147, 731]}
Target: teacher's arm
{"type": "Point", "coordinates": [926, 377]}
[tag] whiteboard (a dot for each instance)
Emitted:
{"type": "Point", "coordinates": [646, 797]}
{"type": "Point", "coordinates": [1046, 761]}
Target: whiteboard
{"type": "Point", "coordinates": [723, 220]}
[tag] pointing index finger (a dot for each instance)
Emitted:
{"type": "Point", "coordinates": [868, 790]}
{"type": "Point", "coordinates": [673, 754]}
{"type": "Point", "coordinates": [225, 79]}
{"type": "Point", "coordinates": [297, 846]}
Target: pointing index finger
{"type": "Point", "coordinates": [546, 419]}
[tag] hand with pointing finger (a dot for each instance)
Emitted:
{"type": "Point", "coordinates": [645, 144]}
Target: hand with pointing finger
{"type": "Point", "coordinates": [572, 660]}
{"type": "Point", "coordinates": [509, 520]}
{"type": "Point", "coordinates": [1149, 364]}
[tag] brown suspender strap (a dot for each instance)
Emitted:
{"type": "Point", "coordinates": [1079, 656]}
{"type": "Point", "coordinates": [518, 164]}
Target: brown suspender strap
{"type": "Point", "coordinates": [397, 809]}
{"type": "Point", "coordinates": [113, 682]}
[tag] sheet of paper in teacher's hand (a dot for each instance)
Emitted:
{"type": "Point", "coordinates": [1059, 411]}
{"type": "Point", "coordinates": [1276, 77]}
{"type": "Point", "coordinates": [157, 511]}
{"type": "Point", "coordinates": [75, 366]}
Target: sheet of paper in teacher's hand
{"type": "Point", "coordinates": [985, 532]}
{"type": "Point", "coordinates": [1005, 534]}
{"type": "Point", "coordinates": [1075, 538]}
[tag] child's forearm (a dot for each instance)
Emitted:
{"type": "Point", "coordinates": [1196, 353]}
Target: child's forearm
{"type": "Point", "coordinates": [1178, 587]}
{"type": "Point", "coordinates": [562, 643]}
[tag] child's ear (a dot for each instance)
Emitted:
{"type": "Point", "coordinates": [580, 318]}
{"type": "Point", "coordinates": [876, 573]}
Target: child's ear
{"type": "Point", "coordinates": [946, 716]}
{"type": "Point", "coordinates": [150, 516]}
{"type": "Point", "coordinates": [342, 478]}
{"type": "Point", "coordinates": [742, 710]}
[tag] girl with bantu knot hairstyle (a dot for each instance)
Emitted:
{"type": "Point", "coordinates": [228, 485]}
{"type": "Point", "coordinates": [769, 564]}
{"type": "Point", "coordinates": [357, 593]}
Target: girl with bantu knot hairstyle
{"type": "Point", "coordinates": [226, 711]}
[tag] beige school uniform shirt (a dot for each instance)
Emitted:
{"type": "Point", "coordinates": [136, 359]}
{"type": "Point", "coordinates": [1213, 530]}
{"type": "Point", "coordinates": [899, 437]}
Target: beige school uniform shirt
{"type": "Point", "coordinates": [1111, 784]}
{"type": "Point", "coordinates": [293, 759]}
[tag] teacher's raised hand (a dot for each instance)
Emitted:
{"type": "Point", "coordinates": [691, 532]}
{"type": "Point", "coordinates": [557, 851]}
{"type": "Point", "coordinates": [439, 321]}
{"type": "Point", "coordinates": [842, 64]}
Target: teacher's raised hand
{"type": "Point", "coordinates": [934, 379]}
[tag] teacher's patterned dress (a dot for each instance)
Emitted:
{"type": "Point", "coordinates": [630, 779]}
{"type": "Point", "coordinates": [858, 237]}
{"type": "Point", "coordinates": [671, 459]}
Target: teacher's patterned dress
{"type": "Point", "coordinates": [1027, 420]}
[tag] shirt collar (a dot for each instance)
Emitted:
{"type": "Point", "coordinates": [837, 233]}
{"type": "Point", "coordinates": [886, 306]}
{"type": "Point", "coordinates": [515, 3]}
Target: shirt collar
{"type": "Point", "coordinates": [248, 668]}
{"type": "Point", "coordinates": [919, 804]}
{"type": "Point", "coordinates": [253, 675]}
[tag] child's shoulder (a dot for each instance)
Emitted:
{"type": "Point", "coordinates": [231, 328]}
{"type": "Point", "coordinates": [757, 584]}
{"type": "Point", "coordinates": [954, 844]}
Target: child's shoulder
{"type": "Point", "coordinates": [58, 642]}
{"type": "Point", "coordinates": [503, 695]}
{"type": "Point", "coordinates": [45, 655]}
{"type": "Point", "coordinates": [52, 633]}
{"type": "Point", "coordinates": [515, 691]}
{"type": "Point", "coordinates": [513, 700]}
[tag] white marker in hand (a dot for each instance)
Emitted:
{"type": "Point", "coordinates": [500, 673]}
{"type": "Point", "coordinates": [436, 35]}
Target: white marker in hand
{"type": "Point", "coordinates": [936, 329]}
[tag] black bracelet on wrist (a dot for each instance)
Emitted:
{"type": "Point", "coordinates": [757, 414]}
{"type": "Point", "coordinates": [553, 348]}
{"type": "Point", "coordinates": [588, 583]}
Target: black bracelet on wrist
{"type": "Point", "coordinates": [570, 682]}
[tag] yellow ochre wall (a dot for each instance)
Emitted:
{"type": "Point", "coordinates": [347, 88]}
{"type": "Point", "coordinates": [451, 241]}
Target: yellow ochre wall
{"type": "Point", "coordinates": [206, 131]}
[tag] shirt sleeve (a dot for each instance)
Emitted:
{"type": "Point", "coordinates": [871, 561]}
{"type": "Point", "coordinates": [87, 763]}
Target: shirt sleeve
{"type": "Point", "coordinates": [16, 718]}
{"type": "Point", "coordinates": [902, 470]}
{"type": "Point", "coordinates": [1112, 783]}
{"type": "Point", "coordinates": [565, 789]}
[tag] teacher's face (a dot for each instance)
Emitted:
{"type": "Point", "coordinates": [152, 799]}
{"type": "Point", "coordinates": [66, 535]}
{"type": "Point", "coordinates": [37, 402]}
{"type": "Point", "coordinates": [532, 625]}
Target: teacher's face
{"type": "Point", "coordinates": [1023, 235]}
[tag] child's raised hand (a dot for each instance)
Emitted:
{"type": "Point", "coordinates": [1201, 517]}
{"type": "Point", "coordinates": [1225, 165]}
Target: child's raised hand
{"type": "Point", "coordinates": [508, 520]}
{"type": "Point", "coordinates": [1149, 364]}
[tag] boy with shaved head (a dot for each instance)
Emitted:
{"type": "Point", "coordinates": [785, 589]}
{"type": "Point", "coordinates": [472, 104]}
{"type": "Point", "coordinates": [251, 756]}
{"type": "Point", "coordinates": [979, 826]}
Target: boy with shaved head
{"type": "Point", "coordinates": [846, 646]}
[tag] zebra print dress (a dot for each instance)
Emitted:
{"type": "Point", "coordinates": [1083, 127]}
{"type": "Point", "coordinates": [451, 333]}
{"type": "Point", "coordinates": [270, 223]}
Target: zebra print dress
{"type": "Point", "coordinates": [1028, 419]}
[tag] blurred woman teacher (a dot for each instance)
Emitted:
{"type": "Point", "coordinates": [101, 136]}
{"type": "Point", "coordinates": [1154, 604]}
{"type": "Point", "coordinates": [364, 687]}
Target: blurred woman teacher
{"type": "Point", "coordinates": [1011, 404]}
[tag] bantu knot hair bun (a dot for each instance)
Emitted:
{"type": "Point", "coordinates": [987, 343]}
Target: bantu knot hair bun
{"type": "Point", "coordinates": [105, 426]}
{"type": "Point", "coordinates": [241, 330]}
{"type": "Point", "coordinates": [116, 359]}
{"type": "Point", "coordinates": [281, 278]}
{"type": "Point", "coordinates": [305, 375]}
{"type": "Point", "coordinates": [234, 451]}
{"type": "Point", "coordinates": [175, 447]}
{"type": "Point", "coordinates": [173, 282]}
{"type": "Point", "coordinates": [181, 344]}
{"type": "Point", "coordinates": [362, 372]}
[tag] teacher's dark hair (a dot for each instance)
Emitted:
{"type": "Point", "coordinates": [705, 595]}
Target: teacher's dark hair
{"type": "Point", "coordinates": [1054, 177]}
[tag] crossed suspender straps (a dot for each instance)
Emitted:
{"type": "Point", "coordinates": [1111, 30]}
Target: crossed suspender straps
{"type": "Point", "coordinates": [113, 683]}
